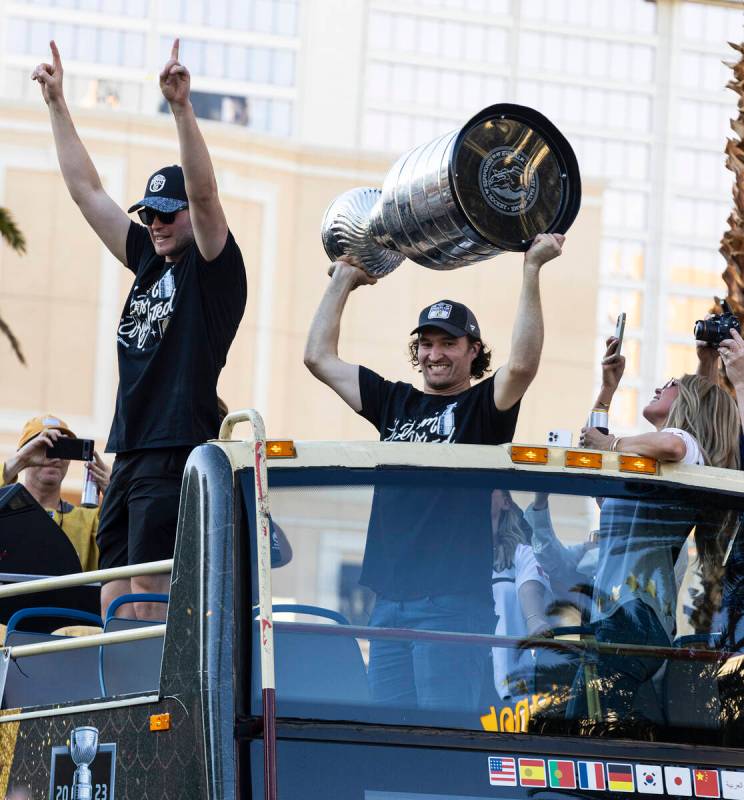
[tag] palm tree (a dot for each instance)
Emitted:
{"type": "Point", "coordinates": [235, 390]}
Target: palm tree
{"type": "Point", "coordinates": [732, 243]}
{"type": "Point", "coordinates": [11, 234]}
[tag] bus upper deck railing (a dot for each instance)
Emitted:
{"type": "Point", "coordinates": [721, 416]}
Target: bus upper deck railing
{"type": "Point", "coordinates": [81, 579]}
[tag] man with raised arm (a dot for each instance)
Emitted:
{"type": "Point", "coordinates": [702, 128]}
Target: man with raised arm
{"type": "Point", "coordinates": [182, 313]}
{"type": "Point", "coordinates": [429, 551]}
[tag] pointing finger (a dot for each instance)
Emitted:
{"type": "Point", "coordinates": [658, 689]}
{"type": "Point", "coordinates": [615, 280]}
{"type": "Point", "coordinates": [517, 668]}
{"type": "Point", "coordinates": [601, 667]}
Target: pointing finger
{"type": "Point", "coordinates": [174, 49]}
{"type": "Point", "coordinates": [57, 61]}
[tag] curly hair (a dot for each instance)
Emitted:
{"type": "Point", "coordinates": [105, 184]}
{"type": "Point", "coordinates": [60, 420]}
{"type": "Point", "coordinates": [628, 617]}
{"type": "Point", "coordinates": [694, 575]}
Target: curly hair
{"type": "Point", "coordinates": [481, 363]}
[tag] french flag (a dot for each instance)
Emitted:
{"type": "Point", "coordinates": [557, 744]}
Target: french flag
{"type": "Point", "coordinates": [591, 776]}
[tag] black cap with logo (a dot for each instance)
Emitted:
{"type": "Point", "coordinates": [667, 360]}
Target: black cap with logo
{"type": "Point", "coordinates": [454, 318]}
{"type": "Point", "coordinates": [165, 191]}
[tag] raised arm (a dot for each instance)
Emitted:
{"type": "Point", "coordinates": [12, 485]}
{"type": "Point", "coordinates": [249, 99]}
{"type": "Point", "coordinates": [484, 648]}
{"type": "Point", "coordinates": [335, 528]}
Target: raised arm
{"type": "Point", "coordinates": [207, 217]}
{"type": "Point", "coordinates": [732, 354]}
{"type": "Point", "coordinates": [660, 445]}
{"type": "Point", "coordinates": [109, 221]}
{"type": "Point", "coordinates": [321, 348]}
{"type": "Point", "coordinates": [512, 380]}
{"type": "Point", "coordinates": [613, 367]}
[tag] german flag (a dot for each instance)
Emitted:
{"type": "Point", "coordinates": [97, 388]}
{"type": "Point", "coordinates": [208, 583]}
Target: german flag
{"type": "Point", "coordinates": [620, 778]}
{"type": "Point", "coordinates": [532, 772]}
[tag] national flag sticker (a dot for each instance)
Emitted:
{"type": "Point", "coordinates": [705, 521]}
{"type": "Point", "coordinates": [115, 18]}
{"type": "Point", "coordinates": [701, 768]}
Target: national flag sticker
{"type": "Point", "coordinates": [648, 779]}
{"type": "Point", "coordinates": [591, 776]}
{"type": "Point", "coordinates": [706, 783]}
{"type": "Point", "coordinates": [678, 781]}
{"type": "Point", "coordinates": [620, 778]}
{"type": "Point", "coordinates": [732, 784]}
{"type": "Point", "coordinates": [562, 774]}
{"type": "Point", "coordinates": [502, 771]}
{"type": "Point", "coordinates": [532, 772]}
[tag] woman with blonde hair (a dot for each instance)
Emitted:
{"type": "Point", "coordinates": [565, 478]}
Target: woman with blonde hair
{"type": "Point", "coordinates": [635, 592]}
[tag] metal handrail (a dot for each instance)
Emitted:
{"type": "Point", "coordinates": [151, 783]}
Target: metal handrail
{"type": "Point", "coordinates": [490, 640]}
{"type": "Point", "coordinates": [80, 642]}
{"type": "Point", "coordinates": [83, 578]}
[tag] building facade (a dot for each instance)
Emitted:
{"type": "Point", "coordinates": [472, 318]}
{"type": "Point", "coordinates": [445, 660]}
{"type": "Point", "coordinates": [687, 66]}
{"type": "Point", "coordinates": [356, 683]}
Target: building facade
{"type": "Point", "coordinates": [305, 98]}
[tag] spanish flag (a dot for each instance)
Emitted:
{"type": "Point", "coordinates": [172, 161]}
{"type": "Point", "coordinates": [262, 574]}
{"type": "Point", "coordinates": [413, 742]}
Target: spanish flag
{"type": "Point", "coordinates": [532, 772]}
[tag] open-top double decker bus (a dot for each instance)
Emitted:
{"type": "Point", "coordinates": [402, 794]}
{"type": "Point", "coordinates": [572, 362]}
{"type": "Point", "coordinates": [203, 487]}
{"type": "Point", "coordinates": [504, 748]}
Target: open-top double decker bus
{"type": "Point", "coordinates": [258, 684]}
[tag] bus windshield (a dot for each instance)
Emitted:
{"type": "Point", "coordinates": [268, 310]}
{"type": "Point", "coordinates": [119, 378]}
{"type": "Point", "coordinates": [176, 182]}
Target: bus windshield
{"type": "Point", "coordinates": [509, 601]}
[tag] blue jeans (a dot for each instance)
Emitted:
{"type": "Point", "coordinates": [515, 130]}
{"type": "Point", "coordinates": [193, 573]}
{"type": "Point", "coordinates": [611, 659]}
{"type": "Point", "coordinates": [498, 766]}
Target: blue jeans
{"type": "Point", "coordinates": [429, 675]}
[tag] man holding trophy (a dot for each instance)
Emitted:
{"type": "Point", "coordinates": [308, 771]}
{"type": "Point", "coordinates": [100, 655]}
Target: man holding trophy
{"type": "Point", "coordinates": [454, 575]}
{"type": "Point", "coordinates": [507, 180]}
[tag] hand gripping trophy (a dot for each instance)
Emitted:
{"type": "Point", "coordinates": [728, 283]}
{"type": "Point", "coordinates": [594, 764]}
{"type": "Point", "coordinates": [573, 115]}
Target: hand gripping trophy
{"type": "Point", "coordinates": [469, 195]}
{"type": "Point", "coordinates": [83, 749]}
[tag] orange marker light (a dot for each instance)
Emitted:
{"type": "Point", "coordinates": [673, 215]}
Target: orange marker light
{"type": "Point", "coordinates": [583, 460]}
{"type": "Point", "coordinates": [646, 466]}
{"type": "Point", "coordinates": [160, 722]}
{"type": "Point", "coordinates": [529, 455]}
{"type": "Point", "coordinates": [280, 448]}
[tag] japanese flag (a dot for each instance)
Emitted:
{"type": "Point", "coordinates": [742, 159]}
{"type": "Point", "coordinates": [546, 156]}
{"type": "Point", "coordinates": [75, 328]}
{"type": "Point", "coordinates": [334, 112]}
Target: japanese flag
{"type": "Point", "coordinates": [678, 781]}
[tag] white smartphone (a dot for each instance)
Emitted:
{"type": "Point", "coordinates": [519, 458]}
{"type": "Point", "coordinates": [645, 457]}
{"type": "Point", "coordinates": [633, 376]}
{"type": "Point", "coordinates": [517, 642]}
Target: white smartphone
{"type": "Point", "coordinates": [560, 437]}
{"type": "Point", "coordinates": [620, 332]}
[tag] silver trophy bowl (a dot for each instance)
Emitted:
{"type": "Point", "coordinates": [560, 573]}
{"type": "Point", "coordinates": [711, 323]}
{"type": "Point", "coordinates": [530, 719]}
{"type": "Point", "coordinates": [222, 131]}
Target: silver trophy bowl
{"type": "Point", "coordinates": [83, 750]}
{"type": "Point", "coordinates": [507, 175]}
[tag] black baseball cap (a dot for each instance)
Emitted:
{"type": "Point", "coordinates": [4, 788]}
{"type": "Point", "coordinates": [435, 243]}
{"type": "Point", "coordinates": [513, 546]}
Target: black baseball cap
{"type": "Point", "coordinates": [454, 318]}
{"type": "Point", "coordinates": [165, 191]}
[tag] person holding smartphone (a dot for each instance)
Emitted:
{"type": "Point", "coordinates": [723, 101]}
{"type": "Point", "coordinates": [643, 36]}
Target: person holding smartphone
{"type": "Point", "coordinates": [187, 298]}
{"type": "Point", "coordinates": [43, 477]}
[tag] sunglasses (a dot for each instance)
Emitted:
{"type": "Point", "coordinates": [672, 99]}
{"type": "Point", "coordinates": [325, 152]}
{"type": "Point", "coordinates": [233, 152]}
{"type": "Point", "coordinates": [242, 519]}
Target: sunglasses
{"type": "Point", "coordinates": [671, 382]}
{"type": "Point", "coordinates": [147, 216]}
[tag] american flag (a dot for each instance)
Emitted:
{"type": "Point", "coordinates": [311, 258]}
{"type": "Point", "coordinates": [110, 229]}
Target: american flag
{"type": "Point", "coordinates": [502, 771]}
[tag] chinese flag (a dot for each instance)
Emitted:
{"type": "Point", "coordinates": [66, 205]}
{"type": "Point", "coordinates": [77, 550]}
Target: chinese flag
{"type": "Point", "coordinates": [706, 783]}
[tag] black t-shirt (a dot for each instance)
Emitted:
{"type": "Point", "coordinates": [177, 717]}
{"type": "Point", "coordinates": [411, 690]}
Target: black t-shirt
{"type": "Point", "coordinates": [176, 328]}
{"type": "Point", "coordinates": [423, 541]}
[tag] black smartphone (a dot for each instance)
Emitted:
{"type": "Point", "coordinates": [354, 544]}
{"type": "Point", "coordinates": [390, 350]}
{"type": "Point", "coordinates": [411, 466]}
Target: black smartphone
{"type": "Point", "coordinates": [72, 449]}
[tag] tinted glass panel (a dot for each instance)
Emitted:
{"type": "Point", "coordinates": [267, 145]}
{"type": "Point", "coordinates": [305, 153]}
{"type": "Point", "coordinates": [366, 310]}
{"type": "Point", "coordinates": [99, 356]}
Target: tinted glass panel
{"type": "Point", "coordinates": [507, 602]}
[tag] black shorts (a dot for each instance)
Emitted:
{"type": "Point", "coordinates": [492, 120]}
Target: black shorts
{"type": "Point", "coordinates": [139, 513]}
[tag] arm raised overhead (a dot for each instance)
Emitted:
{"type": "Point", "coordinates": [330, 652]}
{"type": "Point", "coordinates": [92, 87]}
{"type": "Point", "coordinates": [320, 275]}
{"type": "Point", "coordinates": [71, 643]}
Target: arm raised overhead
{"type": "Point", "coordinates": [106, 218]}
{"type": "Point", "coordinates": [321, 349]}
{"type": "Point", "coordinates": [207, 217]}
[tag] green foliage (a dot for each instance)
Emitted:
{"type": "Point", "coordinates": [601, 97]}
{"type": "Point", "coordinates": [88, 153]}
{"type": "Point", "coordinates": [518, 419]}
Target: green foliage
{"type": "Point", "coordinates": [11, 234]}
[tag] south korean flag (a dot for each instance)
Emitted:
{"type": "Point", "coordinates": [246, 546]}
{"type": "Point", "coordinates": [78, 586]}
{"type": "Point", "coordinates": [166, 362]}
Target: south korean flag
{"type": "Point", "coordinates": [648, 779]}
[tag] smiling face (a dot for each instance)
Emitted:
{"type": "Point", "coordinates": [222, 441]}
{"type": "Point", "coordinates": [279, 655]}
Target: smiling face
{"type": "Point", "coordinates": [657, 411]}
{"type": "Point", "coordinates": [445, 361]}
{"type": "Point", "coordinates": [171, 240]}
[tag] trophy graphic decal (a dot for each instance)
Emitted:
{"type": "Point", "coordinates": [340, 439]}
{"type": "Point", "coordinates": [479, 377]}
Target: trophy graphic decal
{"type": "Point", "coordinates": [83, 749]}
{"type": "Point", "coordinates": [505, 176]}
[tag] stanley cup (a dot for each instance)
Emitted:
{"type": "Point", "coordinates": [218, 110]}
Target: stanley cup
{"type": "Point", "coordinates": [506, 176]}
{"type": "Point", "coordinates": [83, 749]}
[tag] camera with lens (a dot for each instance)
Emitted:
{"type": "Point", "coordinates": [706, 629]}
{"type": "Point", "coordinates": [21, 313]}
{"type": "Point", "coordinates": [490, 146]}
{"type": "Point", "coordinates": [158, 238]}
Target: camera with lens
{"type": "Point", "coordinates": [718, 327]}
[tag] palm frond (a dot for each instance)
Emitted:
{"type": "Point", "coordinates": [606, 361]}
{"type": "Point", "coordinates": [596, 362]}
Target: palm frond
{"type": "Point", "coordinates": [732, 243]}
{"type": "Point", "coordinates": [14, 343]}
{"type": "Point", "coordinates": [11, 232]}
